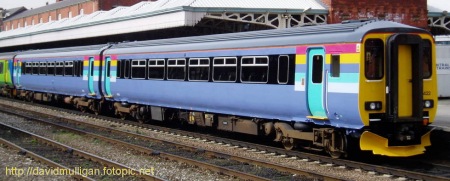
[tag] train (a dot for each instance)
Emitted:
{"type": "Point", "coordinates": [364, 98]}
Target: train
{"type": "Point", "coordinates": [443, 65]}
{"type": "Point", "coordinates": [367, 86]}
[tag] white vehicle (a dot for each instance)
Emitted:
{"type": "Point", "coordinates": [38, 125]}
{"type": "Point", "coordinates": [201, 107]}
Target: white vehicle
{"type": "Point", "coordinates": [443, 65]}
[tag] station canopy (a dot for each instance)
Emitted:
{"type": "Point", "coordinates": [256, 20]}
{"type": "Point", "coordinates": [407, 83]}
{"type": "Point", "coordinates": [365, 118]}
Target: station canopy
{"type": "Point", "coordinates": [438, 15]}
{"type": "Point", "coordinates": [234, 15]}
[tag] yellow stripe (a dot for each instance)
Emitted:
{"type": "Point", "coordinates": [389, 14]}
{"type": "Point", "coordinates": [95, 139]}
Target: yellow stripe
{"type": "Point", "coordinates": [348, 58]}
{"type": "Point", "coordinates": [113, 62]}
{"type": "Point", "coordinates": [300, 59]}
{"type": "Point", "coordinates": [96, 63]}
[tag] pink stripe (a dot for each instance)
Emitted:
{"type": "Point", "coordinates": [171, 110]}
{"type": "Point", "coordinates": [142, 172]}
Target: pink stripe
{"type": "Point", "coordinates": [329, 49]}
{"type": "Point", "coordinates": [342, 48]}
{"type": "Point", "coordinates": [301, 50]}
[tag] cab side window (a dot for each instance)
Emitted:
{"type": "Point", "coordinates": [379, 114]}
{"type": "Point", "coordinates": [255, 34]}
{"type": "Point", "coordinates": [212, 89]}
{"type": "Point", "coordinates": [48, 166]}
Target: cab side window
{"type": "Point", "coordinates": [374, 59]}
{"type": "Point", "coordinates": [426, 59]}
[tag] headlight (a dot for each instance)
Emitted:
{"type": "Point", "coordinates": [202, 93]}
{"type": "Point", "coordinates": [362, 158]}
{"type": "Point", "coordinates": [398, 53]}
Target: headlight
{"type": "Point", "coordinates": [373, 105]}
{"type": "Point", "coordinates": [428, 103]}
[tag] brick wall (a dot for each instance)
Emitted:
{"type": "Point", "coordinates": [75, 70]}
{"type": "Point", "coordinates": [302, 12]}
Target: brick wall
{"type": "Point", "coordinates": [110, 4]}
{"type": "Point", "coordinates": [411, 12]}
{"type": "Point", "coordinates": [87, 7]}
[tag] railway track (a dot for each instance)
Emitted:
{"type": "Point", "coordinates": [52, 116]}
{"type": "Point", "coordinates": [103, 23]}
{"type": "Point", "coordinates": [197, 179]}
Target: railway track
{"type": "Point", "coordinates": [430, 173]}
{"type": "Point", "coordinates": [236, 166]}
{"type": "Point", "coordinates": [63, 159]}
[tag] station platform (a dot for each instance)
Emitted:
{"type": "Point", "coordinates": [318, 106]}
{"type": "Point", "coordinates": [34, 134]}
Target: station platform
{"type": "Point", "coordinates": [442, 121]}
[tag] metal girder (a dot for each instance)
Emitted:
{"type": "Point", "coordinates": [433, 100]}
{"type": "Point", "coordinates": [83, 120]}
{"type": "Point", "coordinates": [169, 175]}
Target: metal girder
{"type": "Point", "coordinates": [272, 20]}
{"type": "Point", "coordinates": [440, 22]}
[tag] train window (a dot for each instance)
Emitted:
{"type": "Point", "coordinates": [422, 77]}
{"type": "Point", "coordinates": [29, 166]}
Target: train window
{"type": "Point", "coordinates": [27, 67]}
{"type": "Point", "coordinates": [35, 68]}
{"type": "Point", "coordinates": [1, 67]}
{"type": "Point", "coordinates": [254, 69]}
{"type": "Point", "coordinates": [108, 69]}
{"type": "Point", "coordinates": [374, 59]}
{"type": "Point", "coordinates": [199, 69]}
{"type": "Point", "coordinates": [68, 68]}
{"type": "Point", "coordinates": [317, 69]}
{"type": "Point", "coordinates": [138, 68]}
{"type": "Point", "coordinates": [426, 59]}
{"type": "Point", "coordinates": [59, 68]}
{"type": "Point", "coordinates": [77, 68]}
{"type": "Point", "coordinates": [81, 67]}
{"type": "Point", "coordinates": [43, 68]}
{"type": "Point", "coordinates": [119, 72]}
{"type": "Point", "coordinates": [50, 68]}
{"type": "Point", "coordinates": [224, 69]}
{"type": "Point", "coordinates": [23, 68]}
{"type": "Point", "coordinates": [176, 69]}
{"type": "Point", "coordinates": [126, 69]}
{"type": "Point", "coordinates": [156, 69]}
{"type": "Point", "coordinates": [283, 69]}
{"type": "Point", "coordinates": [335, 65]}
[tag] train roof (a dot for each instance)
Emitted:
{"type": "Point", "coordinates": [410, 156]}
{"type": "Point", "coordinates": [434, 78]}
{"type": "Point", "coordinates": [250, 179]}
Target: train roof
{"type": "Point", "coordinates": [66, 51]}
{"type": "Point", "coordinates": [333, 33]}
{"type": "Point", "coordinates": [7, 55]}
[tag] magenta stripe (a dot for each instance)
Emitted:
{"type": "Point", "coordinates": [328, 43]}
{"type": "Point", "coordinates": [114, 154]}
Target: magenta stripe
{"type": "Point", "coordinates": [329, 49]}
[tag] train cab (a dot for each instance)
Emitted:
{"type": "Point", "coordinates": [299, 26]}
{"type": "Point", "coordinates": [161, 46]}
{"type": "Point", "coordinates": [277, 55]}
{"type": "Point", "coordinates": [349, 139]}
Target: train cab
{"type": "Point", "coordinates": [398, 96]}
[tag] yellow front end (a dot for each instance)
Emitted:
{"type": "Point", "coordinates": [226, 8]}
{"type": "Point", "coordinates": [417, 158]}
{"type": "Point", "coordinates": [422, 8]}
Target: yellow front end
{"type": "Point", "coordinates": [390, 104]}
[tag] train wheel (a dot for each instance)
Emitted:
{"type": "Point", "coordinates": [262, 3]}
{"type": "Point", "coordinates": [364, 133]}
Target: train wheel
{"type": "Point", "coordinates": [337, 148]}
{"type": "Point", "coordinates": [82, 109]}
{"type": "Point", "coordinates": [288, 143]}
{"type": "Point", "coordinates": [123, 116]}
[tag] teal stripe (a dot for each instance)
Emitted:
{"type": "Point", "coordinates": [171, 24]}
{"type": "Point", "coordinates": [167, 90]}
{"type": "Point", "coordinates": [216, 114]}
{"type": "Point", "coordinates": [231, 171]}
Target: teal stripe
{"type": "Point", "coordinates": [345, 78]}
{"type": "Point", "coordinates": [299, 76]}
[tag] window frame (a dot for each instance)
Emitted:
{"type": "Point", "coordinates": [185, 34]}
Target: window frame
{"type": "Point", "coordinates": [287, 71]}
{"type": "Point", "coordinates": [176, 65]}
{"type": "Point", "coordinates": [157, 65]}
{"type": "Point", "coordinates": [68, 65]}
{"type": "Point", "coordinates": [51, 65]}
{"type": "Point", "coordinates": [225, 63]}
{"type": "Point", "coordinates": [199, 65]}
{"type": "Point", "coordinates": [335, 67]}
{"type": "Point", "coordinates": [366, 61]}
{"type": "Point", "coordinates": [139, 65]}
{"type": "Point", "coordinates": [59, 65]}
{"type": "Point", "coordinates": [427, 44]}
{"type": "Point", "coordinates": [254, 64]}
{"type": "Point", "coordinates": [43, 65]}
{"type": "Point", "coordinates": [1, 67]}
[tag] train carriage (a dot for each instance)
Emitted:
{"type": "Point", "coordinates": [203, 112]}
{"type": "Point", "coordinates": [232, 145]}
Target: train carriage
{"type": "Point", "coordinates": [6, 69]}
{"type": "Point", "coordinates": [318, 87]}
{"type": "Point", "coordinates": [373, 80]}
{"type": "Point", "coordinates": [68, 72]}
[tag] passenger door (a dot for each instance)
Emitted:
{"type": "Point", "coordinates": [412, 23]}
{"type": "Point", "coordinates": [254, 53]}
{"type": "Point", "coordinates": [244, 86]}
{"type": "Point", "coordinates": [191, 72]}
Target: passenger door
{"type": "Point", "coordinates": [107, 77]}
{"type": "Point", "coordinates": [315, 83]}
{"type": "Point", "coordinates": [91, 74]}
{"type": "Point", "coordinates": [404, 81]}
{"type": "Point", "coordinates": [17, 68]}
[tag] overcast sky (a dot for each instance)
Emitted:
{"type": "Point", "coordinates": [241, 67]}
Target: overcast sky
{"type": "Point", "coordinates": [8, 4]}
